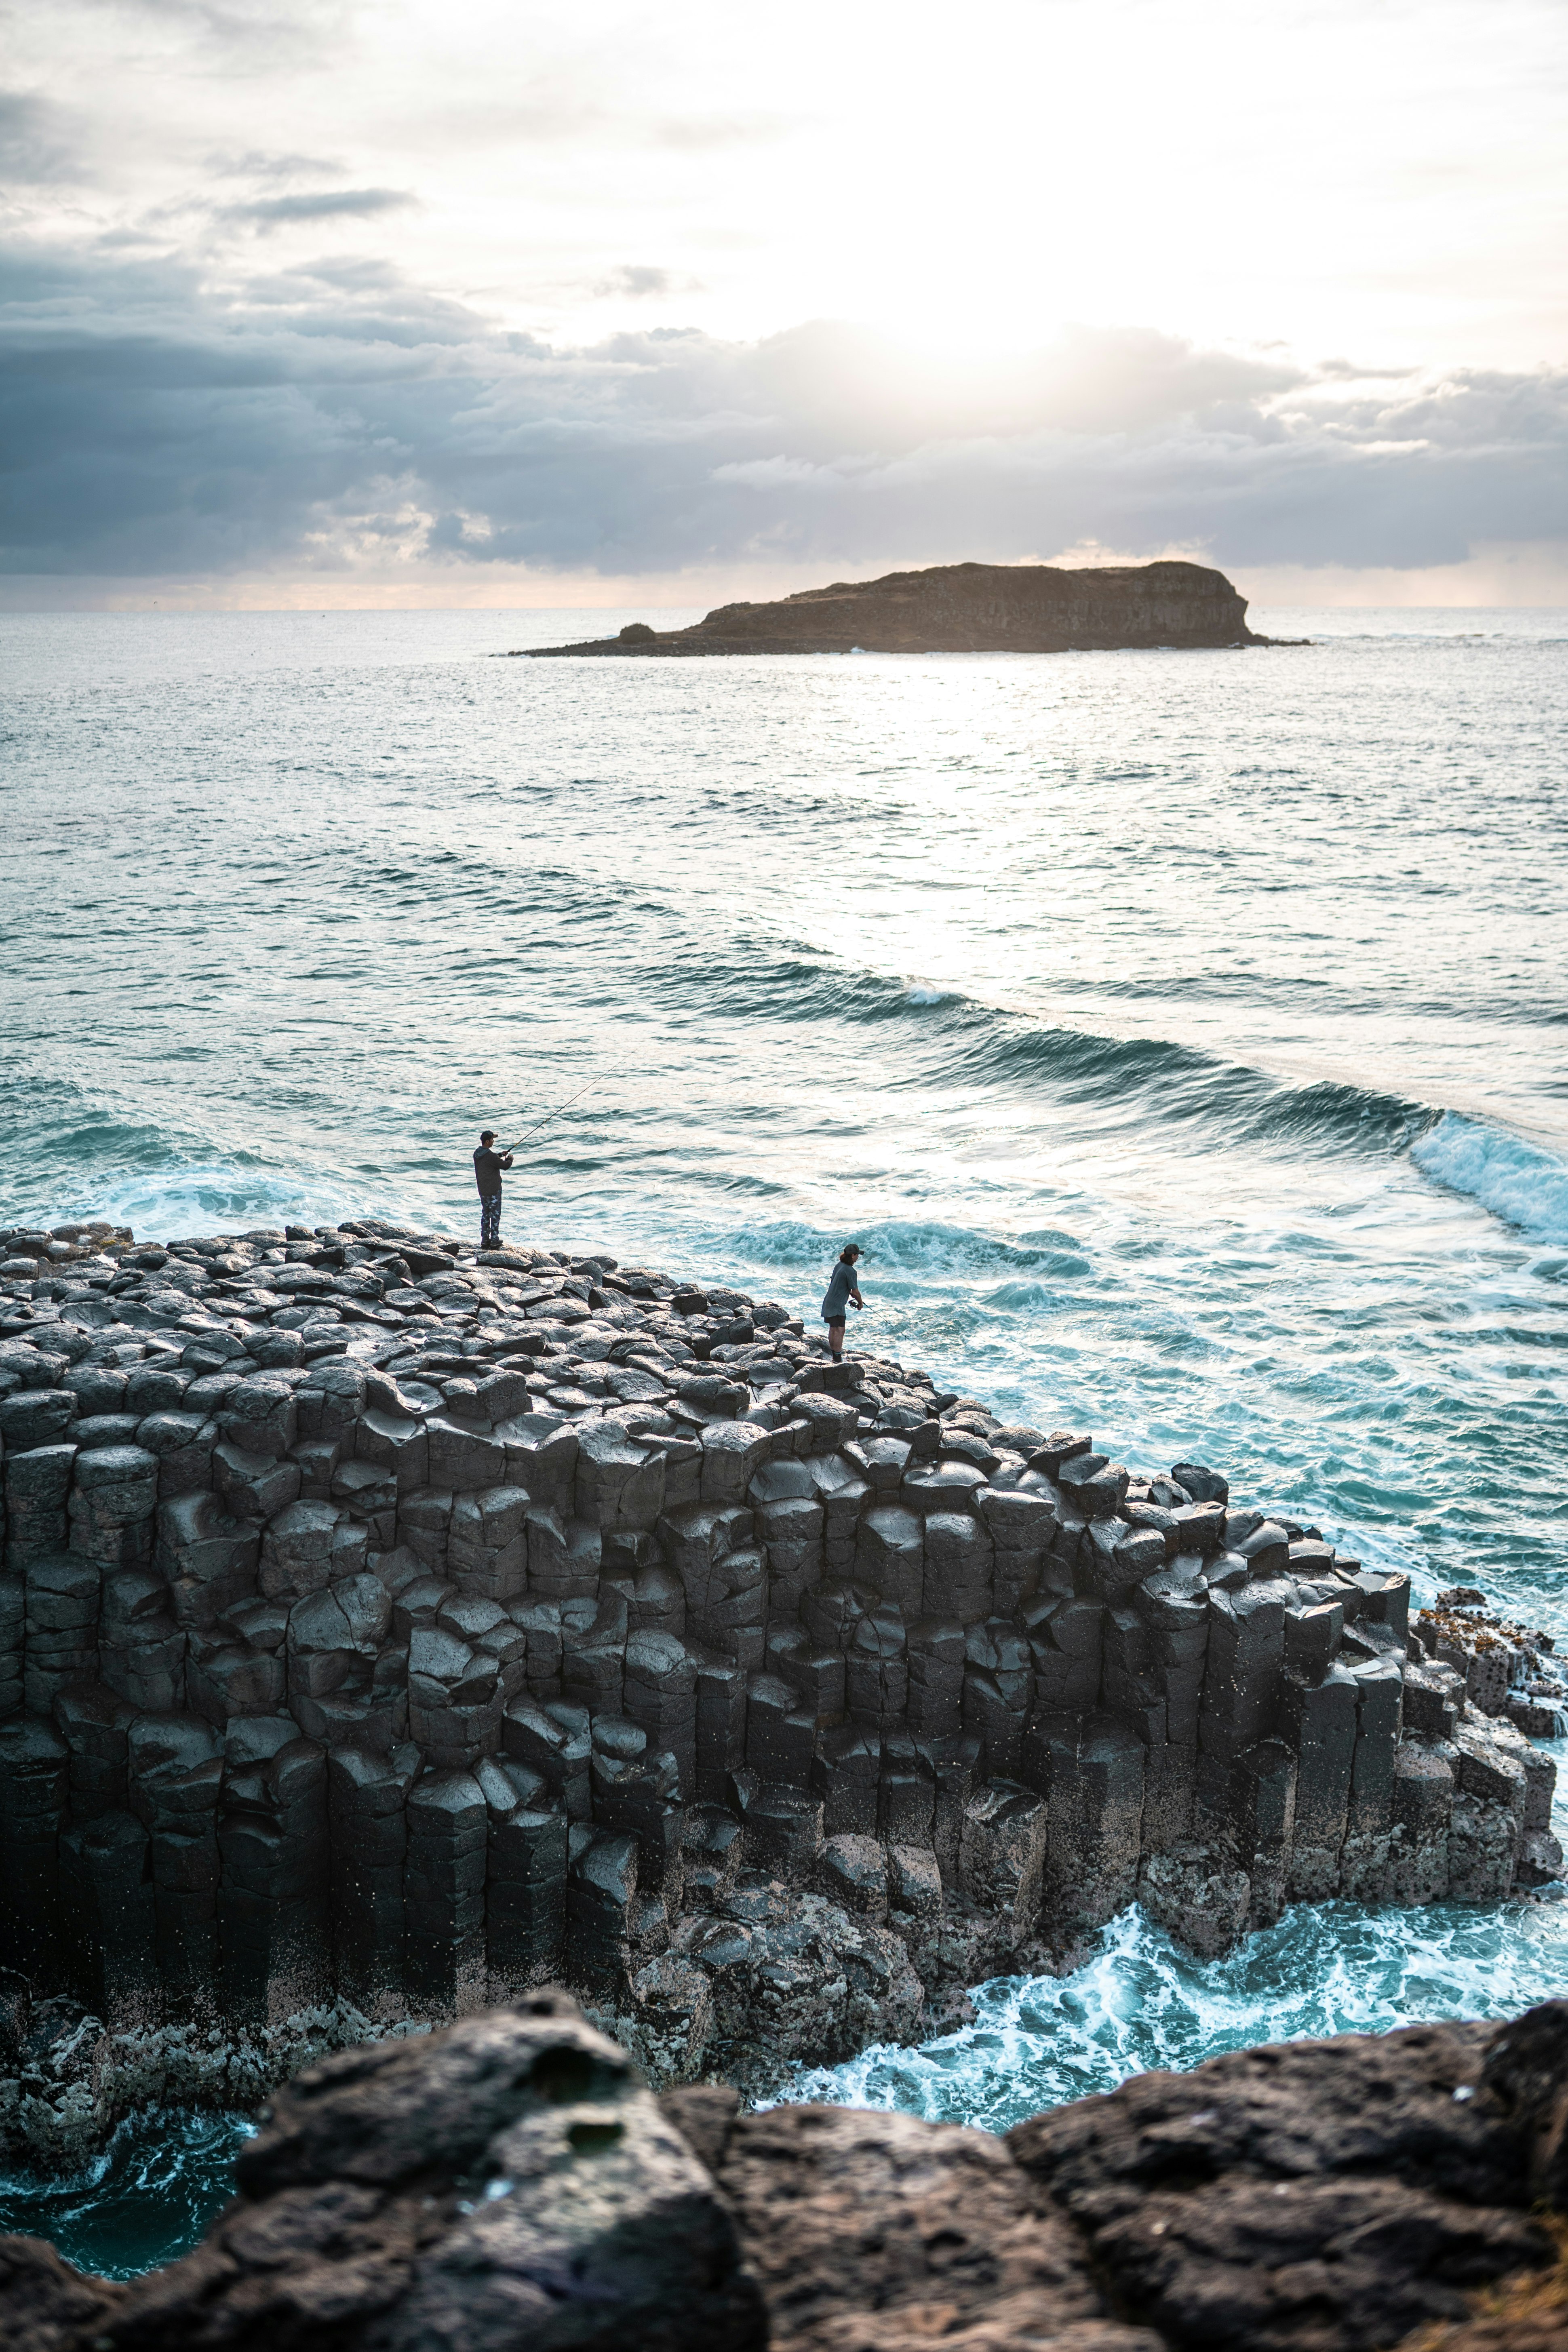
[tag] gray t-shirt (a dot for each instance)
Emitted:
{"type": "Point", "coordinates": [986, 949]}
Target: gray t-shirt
{"type": "Point", "coordinates": [840, 1283]}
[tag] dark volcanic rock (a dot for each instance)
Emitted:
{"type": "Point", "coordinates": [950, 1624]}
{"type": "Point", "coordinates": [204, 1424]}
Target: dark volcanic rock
{"type": "Point", "coordinates": [510, 2185]}
{"type": "Point", "coordinates": [877, 2232]}
{"type": "Point", "coordinates": [971, 608]}
{"type": "Point", "coordinates": [571, 1621]}
{"type": "Point", "coordinates": [1312, 2194]}
{"type": "Point", "coordinates": [1526, 2071]}
{"type": "Point", "coordinates": [44, 2306]}
{"type": "Point", "coordinates": [507, 2182]}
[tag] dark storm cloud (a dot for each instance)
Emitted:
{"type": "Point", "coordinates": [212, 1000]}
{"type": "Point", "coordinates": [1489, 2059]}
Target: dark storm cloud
{"type": "Point", "coordinates": [334, 415]}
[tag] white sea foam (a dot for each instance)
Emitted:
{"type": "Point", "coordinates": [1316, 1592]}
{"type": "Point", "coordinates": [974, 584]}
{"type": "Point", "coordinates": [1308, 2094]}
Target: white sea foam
{"type": "Point", "coordinates": [907, 1245]}
{"type": "Point", "coordinates": [1141, 2003]}
{"type": "Point", "coordinates": [1518, 1181]}
{"type": "Point", "coordinates": [212, 1194]}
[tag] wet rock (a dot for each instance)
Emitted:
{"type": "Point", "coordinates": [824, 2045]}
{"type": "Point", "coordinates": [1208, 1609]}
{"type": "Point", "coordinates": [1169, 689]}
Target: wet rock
{"type": "Point", "coordinates": [1002, 1854]}
{"type": "Point", "coordinates": [1198, 1896]}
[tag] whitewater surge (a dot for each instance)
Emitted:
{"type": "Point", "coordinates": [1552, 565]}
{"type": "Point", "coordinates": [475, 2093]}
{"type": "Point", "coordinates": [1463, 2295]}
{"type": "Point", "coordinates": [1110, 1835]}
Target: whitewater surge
{"type": "Point", "coordinates": [1142, 2003]}
{"type": "Point", "coordinates": [147, 2199]}
{"type": "Point", "coordinates": [1518, 1182]}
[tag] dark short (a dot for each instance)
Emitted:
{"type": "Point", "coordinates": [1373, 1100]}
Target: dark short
{"type": "Point", "coordinates": [836, 1322]}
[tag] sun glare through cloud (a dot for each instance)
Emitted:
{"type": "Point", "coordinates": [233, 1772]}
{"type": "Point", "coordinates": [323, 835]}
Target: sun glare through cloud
{"type": "Point", "coordinates": [409, 286]}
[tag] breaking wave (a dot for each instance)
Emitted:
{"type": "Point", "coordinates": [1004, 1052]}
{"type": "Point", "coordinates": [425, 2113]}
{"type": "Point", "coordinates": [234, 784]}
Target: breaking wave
{"type": "Point", "coordinates": [1518, 1181]}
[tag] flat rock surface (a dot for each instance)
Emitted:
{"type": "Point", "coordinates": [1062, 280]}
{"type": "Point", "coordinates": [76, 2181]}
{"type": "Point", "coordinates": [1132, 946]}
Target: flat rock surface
{"type": "Point", "coordinates": [883, 2229]}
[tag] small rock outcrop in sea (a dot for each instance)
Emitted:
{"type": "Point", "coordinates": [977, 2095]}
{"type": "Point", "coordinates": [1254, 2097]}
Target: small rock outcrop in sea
{"type": "Point", "coordinates": [389, 1626]}
{"type": "Point", "coordinates": [965, 608]}
{"type": "Point", "coordinates": [509, 2184]}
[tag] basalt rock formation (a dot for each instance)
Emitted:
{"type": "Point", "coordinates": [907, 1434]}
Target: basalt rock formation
{"type": "Point", "coordinates": [966, 608]}
{"type": "Point", "coordinates": [388, 1627]}
{"type": "Point", "coordinates": [509, 2184]}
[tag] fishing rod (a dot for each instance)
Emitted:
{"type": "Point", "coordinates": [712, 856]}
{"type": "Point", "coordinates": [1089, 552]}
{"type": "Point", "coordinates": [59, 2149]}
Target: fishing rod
{"type": "Point", "coordinates": [587, 1088]}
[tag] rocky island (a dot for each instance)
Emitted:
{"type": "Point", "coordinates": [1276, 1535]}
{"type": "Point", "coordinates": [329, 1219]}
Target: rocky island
{"type": "Point", "coordinates": [965, 608]}
{"type": "Point", "coordinates": [390, 1627]}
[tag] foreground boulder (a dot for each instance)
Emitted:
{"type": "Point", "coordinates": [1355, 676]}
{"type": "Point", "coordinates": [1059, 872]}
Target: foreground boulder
{"type": "Point", "coordinates": [508, 2182]}
{"type": "Point", "coordinates": [1323, 2192]}
{"type": "Point", "coordinates": [511, 2186]}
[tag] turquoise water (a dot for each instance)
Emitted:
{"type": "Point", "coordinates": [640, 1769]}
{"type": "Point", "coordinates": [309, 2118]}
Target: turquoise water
{"type": "Point", "coordinates": [148, 2199]}
{"type": "Point", "coordinates": [1183, 1036]}
{"type": "Point", "coordinates": [1141, 2003]}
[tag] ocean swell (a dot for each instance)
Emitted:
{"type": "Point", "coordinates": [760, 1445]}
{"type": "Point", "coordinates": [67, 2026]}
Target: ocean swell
{"type": "Point", "coordinates": [959, 1038]}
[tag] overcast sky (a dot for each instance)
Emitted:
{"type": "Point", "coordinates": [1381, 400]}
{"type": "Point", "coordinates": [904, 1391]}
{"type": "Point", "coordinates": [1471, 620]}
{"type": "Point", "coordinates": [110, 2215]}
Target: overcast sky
{"type": "Point", "coordinates": [474, 304]}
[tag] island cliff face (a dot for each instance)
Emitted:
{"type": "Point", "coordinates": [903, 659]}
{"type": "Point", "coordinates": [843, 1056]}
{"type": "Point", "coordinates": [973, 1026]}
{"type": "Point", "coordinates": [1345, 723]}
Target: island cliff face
{"type": "Point", "coordinates": [967, 608]}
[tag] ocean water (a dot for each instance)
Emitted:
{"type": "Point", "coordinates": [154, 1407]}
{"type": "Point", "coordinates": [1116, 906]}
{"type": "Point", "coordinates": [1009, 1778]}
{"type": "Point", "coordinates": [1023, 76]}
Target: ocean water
{"type": "Point", "coordinates": [1182, 1035]}
{"type": "Point", "coordinates": [147, 2199]}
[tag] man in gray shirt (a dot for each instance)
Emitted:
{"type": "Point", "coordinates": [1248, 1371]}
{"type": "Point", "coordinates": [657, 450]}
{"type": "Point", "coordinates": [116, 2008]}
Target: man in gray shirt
{"type": "Point", "coordinates": [843, 1289]}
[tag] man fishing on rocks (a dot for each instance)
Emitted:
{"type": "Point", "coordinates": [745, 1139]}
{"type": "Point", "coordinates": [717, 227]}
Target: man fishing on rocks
{"type": "Point", "coordinates": [488, 1166]}
{"type": "Point", "coordinates": [843, 1290]}
{"type": "Point", "coordinates": [489, 1162]}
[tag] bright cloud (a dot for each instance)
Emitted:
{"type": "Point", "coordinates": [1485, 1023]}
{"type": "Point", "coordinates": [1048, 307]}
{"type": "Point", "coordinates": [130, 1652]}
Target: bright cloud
{"type": "Point", "coordinates": [301, 293]}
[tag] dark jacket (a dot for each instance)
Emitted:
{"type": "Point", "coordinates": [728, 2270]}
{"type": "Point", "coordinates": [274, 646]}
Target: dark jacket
{"type": "Point", "coordinates": [487, 1165]}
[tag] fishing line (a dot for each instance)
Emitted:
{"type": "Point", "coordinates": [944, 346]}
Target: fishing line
{"type": "Point", "coordinates": [602, 1079]}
